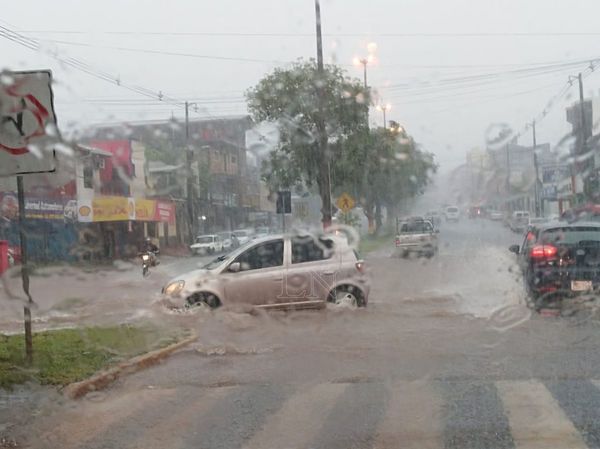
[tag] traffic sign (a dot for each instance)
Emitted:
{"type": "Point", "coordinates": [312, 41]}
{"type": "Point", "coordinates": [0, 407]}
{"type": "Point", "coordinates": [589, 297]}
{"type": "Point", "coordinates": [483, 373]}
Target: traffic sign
{"type": "Point", "coordinates": [27, 123]}
{"type": "Point", "coordinates": [345, 202]}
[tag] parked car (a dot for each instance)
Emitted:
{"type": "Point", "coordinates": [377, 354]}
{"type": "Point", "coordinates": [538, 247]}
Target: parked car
{"type": "Point", "coordinates": [559, 259]}
{"type": "Point", "coordinates": [496, 215]}
{"type": "Point", "coordinates": [243, 236]}
{"type": "Point", "coordinates": [299, 271]}
{"type": "Point", "coordinates": [416, 237]}
{"type": "Point", "coordinates": [519, 221]}
{"type": "Point", "coordinates": [207, 244]}
{"type": "Point", "coordinates": [452, 213]}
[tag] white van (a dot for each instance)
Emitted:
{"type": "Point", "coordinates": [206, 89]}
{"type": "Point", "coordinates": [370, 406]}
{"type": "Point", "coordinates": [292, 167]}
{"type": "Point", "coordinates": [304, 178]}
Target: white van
{"type": "Point", "coordinates": [452, 213]}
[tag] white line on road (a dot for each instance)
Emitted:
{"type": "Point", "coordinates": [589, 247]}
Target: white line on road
{"type": "Point", "coordinates": [413, 418]}
{"type": "Point", "coordinates": [536, 419]}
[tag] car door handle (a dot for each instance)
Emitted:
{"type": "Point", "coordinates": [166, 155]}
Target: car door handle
{"type": "Point", "coordinates": [329, 272]}
{"type": "Point", "coordinates": [277, 279]}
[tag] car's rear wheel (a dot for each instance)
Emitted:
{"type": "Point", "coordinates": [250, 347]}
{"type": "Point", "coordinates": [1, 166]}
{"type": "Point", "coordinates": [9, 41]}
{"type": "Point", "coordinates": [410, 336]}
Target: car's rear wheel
{"type": "Point", "coordinates": [203, 299]}
{"type": "Point", "coordinates": [347, 295]}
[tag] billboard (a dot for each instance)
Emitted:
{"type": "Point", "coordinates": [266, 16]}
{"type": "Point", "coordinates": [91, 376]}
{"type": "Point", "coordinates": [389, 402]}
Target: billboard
{"type": "Point", "coordinates": [27, 123]}
{"type": "Point", "coordinates": [121, 208]}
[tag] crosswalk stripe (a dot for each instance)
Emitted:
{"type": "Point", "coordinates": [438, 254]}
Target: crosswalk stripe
{"type": "Point", "coordinates": [87, 419]}
{"type": "Point", "coordinates": [536, 420]}
{"type": "Point", "coordinates": [413, 418]}
{"type": "Point", "coordinates": [299, 419]}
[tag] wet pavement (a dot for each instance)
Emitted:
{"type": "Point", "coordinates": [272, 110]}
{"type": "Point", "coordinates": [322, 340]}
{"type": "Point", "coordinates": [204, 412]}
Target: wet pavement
{"type": "Point", "coordinates": [69, 296]}
{"type": "Point", "coordinates": [446, 355]}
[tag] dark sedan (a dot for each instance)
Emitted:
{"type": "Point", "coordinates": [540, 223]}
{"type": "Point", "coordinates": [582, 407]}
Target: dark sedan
{"type": "Point", "coordinates": [560, 260]}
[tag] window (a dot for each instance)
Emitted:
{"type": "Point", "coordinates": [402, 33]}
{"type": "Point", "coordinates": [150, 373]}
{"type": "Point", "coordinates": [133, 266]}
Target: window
{"type": "Point", "coordinates": [417, 227]}
{"type": "Point", "coordinates": [88, 176]}
{"type": "Point", "coordinates": [233, 159]}
{"type": "Point", "coordinates": [265, 255]}
{"type": "Point", "coordinates": [306, 249]}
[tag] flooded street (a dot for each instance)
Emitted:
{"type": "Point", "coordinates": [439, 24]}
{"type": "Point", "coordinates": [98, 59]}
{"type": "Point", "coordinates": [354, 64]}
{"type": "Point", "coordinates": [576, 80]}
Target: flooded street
{"type": "Point", "coordinates": [444, 355]}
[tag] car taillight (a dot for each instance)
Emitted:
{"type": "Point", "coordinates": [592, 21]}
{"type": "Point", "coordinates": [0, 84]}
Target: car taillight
{"type": "Point", "coordinates": [543, 251]}
{"type": "Point", "coordinates": [360, 266]}
{"type": "Point", "coordinates": [397, 242]}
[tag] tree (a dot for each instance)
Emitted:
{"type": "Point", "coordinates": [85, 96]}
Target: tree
{"type": "Point", "coordinates": [391, 166]}
{"type": "Point", "coordinates": [289, 97]}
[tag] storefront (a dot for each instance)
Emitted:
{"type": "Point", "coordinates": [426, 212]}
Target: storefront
{"type": "Point", "coordinates": [117, 226]}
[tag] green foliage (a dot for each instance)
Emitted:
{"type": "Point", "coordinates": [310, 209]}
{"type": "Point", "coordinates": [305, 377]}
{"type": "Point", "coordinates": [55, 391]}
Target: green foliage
{"type": "Point", "coordinates": [290, 98]}
{"type": "Point", "coordinates": [378, 166]}
{"type": "Point", "coordinates": [68, 355]}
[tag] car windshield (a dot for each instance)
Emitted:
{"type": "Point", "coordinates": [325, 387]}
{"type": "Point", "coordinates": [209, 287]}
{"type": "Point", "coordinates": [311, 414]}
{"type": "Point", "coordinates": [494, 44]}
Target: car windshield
{"type": "Point", "coordinates": [416, 227]}
{"type": "Point", "coordinates": [328, 224]}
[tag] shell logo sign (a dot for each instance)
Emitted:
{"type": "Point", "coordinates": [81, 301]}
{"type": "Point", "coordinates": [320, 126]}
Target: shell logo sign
{"type": "Point", "coordinates": [85, 211]}
{"type": "Point", "coordinates": [119, 208]}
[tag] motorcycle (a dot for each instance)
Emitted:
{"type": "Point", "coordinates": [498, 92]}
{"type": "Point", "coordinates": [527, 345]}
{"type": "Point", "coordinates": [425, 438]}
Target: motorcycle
{"type": "Point", "coordinates": [149, 259]}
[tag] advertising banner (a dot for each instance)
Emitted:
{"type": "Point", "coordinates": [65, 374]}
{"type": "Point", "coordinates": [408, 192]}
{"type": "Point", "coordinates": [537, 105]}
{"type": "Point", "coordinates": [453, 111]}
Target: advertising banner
{"type": "Point", "coordinates": [37, 207]}
{"type": "Point", "coordinates": [118, 208]}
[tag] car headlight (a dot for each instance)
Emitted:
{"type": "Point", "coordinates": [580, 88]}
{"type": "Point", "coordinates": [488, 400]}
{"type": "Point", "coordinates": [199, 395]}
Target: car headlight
{"type": "Point", "coordinates": [174, 288]}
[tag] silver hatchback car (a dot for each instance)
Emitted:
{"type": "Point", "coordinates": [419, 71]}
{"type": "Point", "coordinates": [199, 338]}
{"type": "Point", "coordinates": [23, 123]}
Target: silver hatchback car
{"type": "Point", "coordinates": [297, 271]}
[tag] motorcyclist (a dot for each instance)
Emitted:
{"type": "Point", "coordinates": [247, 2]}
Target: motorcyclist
{"type": "Point", "coordinates": [152, 249]}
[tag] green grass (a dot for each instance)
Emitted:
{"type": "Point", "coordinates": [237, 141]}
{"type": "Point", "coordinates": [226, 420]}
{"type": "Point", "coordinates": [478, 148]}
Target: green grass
{"type": "Point", "coordinates": [68, 355]}
{"type": "Point", "coordinates": [371, 243]}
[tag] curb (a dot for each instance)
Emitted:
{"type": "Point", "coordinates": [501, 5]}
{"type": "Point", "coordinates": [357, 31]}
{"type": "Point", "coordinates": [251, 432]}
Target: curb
{"type": "Point", "coordinates": [103, 379]}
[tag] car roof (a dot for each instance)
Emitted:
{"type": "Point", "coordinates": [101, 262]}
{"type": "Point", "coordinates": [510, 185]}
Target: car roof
{"type": "Point", "coordinates": [564, 224]}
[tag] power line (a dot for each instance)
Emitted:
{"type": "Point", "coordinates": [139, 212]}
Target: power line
{"type": "Point", "coordinates": [311, 35]}
{"type": "Point", "coordinates": [168, 53]}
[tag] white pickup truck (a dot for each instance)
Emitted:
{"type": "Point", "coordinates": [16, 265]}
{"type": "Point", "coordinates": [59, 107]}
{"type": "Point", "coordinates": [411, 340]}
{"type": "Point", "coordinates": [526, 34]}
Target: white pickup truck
{"type": "Point", "coordinates": [417, 236]}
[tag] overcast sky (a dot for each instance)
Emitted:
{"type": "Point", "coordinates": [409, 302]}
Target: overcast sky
{"type": "Point", "coordinates": [429, 58]}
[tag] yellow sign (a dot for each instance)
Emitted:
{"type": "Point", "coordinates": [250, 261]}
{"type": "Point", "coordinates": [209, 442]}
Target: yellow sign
{"type": "Point", "coordinates": [110, 208]}
{"type": "Point", "coordinates": [145, 210]}
{"type": "Point", "coordinates": [345, 202]}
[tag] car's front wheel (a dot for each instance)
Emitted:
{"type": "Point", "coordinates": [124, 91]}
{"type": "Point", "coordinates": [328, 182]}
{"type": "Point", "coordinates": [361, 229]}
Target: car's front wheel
{"type": "Point", "coordinates": [347, 295]}
{"type": "Point", "coordinates": [203, 299]}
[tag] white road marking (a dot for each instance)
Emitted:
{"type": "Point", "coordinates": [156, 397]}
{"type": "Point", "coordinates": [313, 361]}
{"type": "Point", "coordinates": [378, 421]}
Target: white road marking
{"type": "Point", "coordinates": [536, 420]}
{"type": "Point", "coordinates": [413, 418]}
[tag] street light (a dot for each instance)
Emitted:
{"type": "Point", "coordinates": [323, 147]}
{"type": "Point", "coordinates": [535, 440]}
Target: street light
{"type": "Point", "coordinates": [357, 61]}
{"type": "Point", "coordinates": [384, 108]}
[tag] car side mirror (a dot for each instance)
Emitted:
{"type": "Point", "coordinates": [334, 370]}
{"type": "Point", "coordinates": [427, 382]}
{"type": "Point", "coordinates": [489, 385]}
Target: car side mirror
{"type": "Point", "coordinates": [437, 231]}
{"type": "Point", "coordinates": [234, 267]}
{"type": "Point", "coordinates": [514, 249]}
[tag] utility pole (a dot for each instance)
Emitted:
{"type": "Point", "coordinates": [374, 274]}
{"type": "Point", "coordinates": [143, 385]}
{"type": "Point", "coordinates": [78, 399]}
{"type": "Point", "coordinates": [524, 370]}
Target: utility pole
{"type": "Point", "coordinates": [324, 180]}
{"type": "Point", "coordinates": [508, 177]}
{"type": "Point", "coordinates": [539, 208]}
{"type": "Point", "coordinates": [25, 271]}
{"type": "Point", "coordinates": [582, 138]}
{"type": "Point", "coordinates": [190, 175]}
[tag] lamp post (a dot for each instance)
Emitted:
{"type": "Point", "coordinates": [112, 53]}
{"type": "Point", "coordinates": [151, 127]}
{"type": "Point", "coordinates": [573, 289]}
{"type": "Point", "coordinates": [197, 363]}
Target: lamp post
{"type": "Point", "coordinates": [384, 108]}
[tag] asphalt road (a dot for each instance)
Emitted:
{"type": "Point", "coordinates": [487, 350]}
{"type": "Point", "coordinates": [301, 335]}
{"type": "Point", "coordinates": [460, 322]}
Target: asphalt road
{"type": "Point", "coordinates": [445, 356]}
